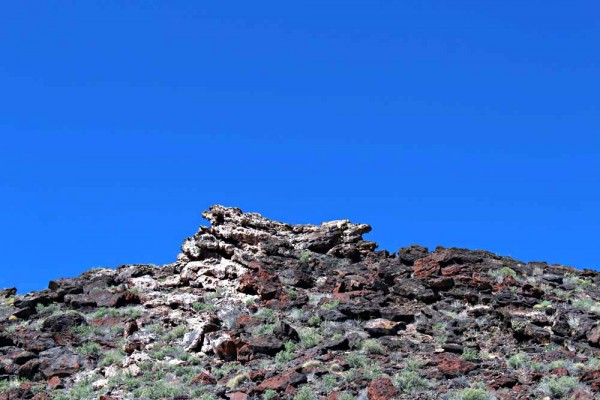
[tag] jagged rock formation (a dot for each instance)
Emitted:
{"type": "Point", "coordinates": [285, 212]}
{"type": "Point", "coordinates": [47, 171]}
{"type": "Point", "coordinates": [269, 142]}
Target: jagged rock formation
{"type": "Point", "coordinates": [258, 309]}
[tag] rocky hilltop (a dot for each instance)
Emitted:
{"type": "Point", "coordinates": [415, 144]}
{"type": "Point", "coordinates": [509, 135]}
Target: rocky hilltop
{"type": "Point", "coordinates": [259, 309]}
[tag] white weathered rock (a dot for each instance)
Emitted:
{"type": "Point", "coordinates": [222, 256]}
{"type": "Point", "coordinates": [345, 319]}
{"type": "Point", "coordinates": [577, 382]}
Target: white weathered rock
{"type": "Point", "coordinates": [111, 371]}
{"type": "Point", "coordinates": [100, 383]}
{"type": "Point", "coordinates": [143, 283]}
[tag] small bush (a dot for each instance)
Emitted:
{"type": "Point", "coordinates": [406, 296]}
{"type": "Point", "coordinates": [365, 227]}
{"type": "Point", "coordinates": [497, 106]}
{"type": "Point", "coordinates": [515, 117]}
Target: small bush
{"type": "Point", "coordinates": [305, 393]}
{"type": "Point", "coordinates": [332, 305]}
{"type": "Point", "coordinates": [237, 380]}
{"type": "Point", "coordinates": [356, 360]}
{"type": "Point", "coordinates": [91, 349]}
{"type": "Point", "coordinates": [473, 394]}
{"type": "Point", "coordinates": [470, 354]}
{"type": "Point", "coordinates": [114, 357]}
{"type": "Point", "coordinates": [314, 320]}
{"type": "Point", "coordinates": [410, 381]}
{"type": "Point", "coordinates": [305, 257]}
{"type": "Point", "coordinates": [542, 305]}
{"type": "Point", "coordinates": [287, 354]}
{"type": "Point", "coordinates": [176, 333]}
{"type": "Point", "coordinates": [517, 361]}
{"type": "Point", "coordinates": [269, 394]}
{"type": "Point", "coordinates": [309, 337]}
{"type": "Point", "coordinates": [49, 309]}
{"type": "Point", "coordinates": [263, 329]}
{"type": "Point", "coordinates": [372, 346]}
{"type": "Point", "coordinates": [559, 387]}
{"type": "Point", "coordinates": [266, 314]}
{"type": "Point", "coordinates": [198, 306]}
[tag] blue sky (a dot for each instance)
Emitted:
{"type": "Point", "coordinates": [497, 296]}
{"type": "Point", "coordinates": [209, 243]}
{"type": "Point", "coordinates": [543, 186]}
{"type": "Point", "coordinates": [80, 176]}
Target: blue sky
{"type": "Point", "coordinates": [465, 123]}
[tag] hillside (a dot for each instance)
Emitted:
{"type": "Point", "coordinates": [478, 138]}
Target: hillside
{"type": "Point", "coordinates": [258, 309]}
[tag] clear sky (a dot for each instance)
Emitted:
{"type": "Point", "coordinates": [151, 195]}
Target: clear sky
{"type": "Point", "coordinates": [456, 123]}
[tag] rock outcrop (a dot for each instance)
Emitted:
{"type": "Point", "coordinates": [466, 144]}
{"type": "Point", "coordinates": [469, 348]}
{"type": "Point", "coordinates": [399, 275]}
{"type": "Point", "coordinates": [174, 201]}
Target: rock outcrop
{"type": "Point", "coordinates": [258, 309]}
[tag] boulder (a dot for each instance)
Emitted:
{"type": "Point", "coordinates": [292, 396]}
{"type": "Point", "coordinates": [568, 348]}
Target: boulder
{"type": "Point", "coordinates": [63, 322]}
{"type": "Point", "coordinates": [381, 389]}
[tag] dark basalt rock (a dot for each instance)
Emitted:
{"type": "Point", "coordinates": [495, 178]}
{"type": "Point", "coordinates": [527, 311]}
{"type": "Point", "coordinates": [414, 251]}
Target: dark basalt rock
{"type": "Point", "coordinates": [266, 344]}
{"type": "Point", "coordinates": [63, 322]}
{"type": "Point", "coordinates": [253, 305]}
{"type": "Point", "coordinates": [408, 255]}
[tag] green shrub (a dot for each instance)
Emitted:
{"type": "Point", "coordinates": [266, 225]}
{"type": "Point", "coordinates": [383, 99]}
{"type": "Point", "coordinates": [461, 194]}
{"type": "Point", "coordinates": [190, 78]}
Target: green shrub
{"type": "Point", "coordinates": [237, 380]}
{"type": "Point", "coordinates": [114, 357]}
{"type": "Point", "coordinates": [372, 346]}
{"type": "Point", "coordinates": [410, 381]}
{"type": "Point", "coordinates": [542, 305]}
{"type": "Point", "coordinates": [159, 389]}
{"type": "Point", "coordinates": [517, 360]}
{"type": "Point", "coordinates": [305, 257]}
{"type": "Point", "coordinates": [305, 393]}
{"type": "Point", "coordinates": [413, 365]}
{"type": "Point", "coordinates": [49, 309]}
{"type": "Point", "coordinates": [473, 394]}
{"type": "Point", "coordinates": [314, 320]}
{"type": "Point", "coordinates": [470, 354]}
{"type": "Point", "coordinates": [559, 387]}
{"type": "Point", "coordinates": [269, 394]}
{"type": "Point", "coordinates": [176, 333]}
{"type": "Point", "coordinates": [287, 354]}
{"type": "Point", "coordinates": [198, 306]}
{"type": "Point", "coordinates": [263, 329]}
{"type": "Point", "coordinates": [91, 349]}
{"type": "Point", "coordinates": [332, 305]}
{"type": "Point", "coordinates": [266, 314]}
{"type": "Point", "coordinates": [356, 360]}
{"type": "Point", "coordinates": [309, 337]}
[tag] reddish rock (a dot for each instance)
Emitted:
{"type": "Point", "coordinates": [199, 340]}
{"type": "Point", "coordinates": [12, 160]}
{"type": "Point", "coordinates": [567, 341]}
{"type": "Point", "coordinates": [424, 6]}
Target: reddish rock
{"type": "Point", "coordinates": [381, 389]}
{"type": "Point", "coordinates": [237, 396]}
{"type": "Point", "coordinates": [257, 375]}
{"type": "Point", "coordinates": [453, 365]}
{"type": "Point", "coordinates": [425, 267]}
{"type": "Point", "coordinates": [226, 350]}
{"type": "Point", "coordinates": [30, 368]}
{"type": "Point", "coordinates": [593, 335]}
{"type": "Point", "coordinates": [266, 344]}
{"type": "Point", "coordinates": [262, 283]}
{"type": "Point", "coordinates": [244, 352]}
{"type": "Point", "coordinates": [452, 270]}
{"type": "Point", "coordinates": [560, 371]}
{"type": "Point", "coordinates": [130, 328]}
{"type": "Point", "coordinates": [481, 282]}
{"type": "Point", "coordinates": [22, 357]}
{"type": "Point", "coordinates": [247, 322]}
{"type": "Point", "coordinates": [502, 379]}
{"type": "Point", "coordinates": [380, 327]}
{"type": "Point", "coordinates": [592, 378]}
{"type": "Point", "coordinates": [281, 382]}
{"type": "Point", "coordinates": [54, 383]}
{"type": "Point", "coordinates": [581, 394]}
{"type": "Point", "coordinates": [204, 379]}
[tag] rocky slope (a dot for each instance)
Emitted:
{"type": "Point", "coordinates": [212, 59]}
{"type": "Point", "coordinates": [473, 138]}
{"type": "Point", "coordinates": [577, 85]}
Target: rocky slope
{"type": "Point", "coordinates": [258, 309]}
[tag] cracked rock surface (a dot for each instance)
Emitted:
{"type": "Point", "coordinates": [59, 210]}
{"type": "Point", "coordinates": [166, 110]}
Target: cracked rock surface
{"type": "Point", "coordinates": [258, 309]}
